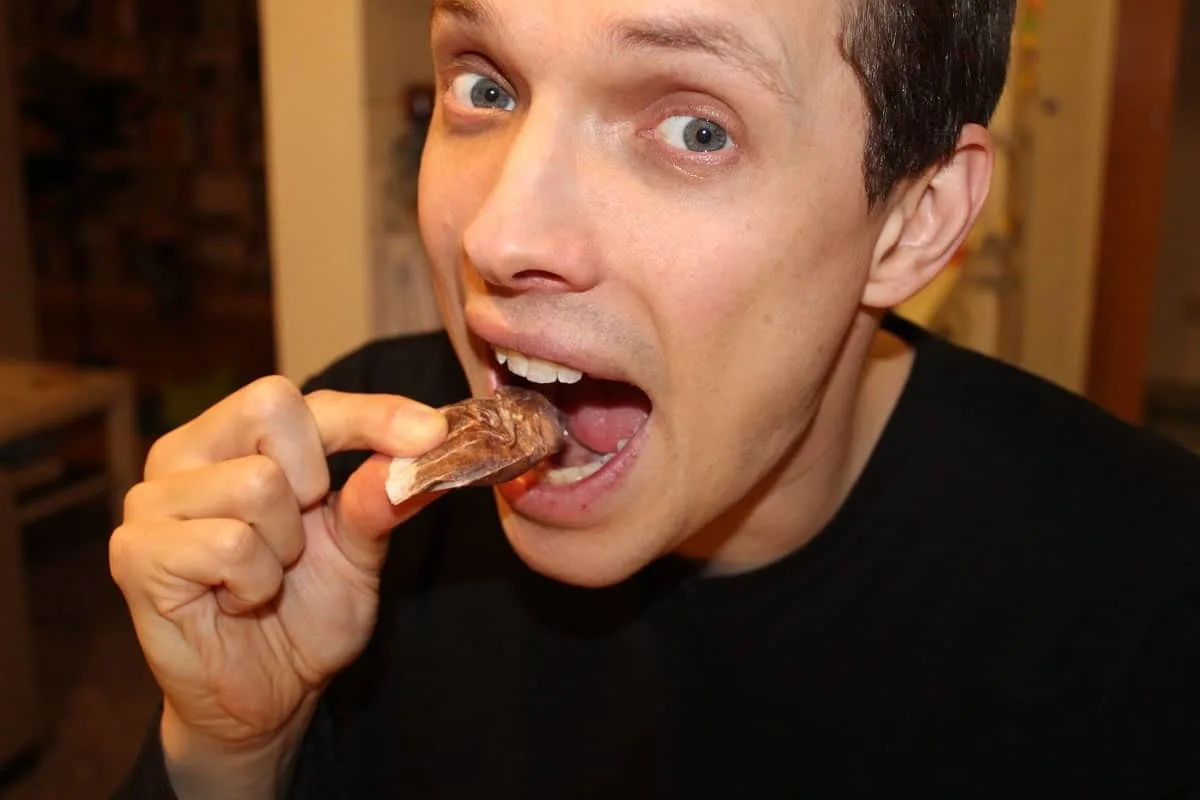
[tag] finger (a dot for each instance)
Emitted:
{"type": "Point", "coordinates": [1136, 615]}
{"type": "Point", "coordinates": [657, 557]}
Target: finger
{"type": "Point", "coordinates": [390, 425]}
{"type": "Point", "coordinates": [364, 517]}
{"type": "Point", "coordinates": [165, 566]}
{"type": "Point", "coordinates": [271, 417]}
{"type": "Point", "coordinates": [253, 489]}
{"type": "Point", "coordinates": [267, 417]}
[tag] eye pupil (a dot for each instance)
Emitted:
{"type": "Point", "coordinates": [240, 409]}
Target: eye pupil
{"type": "Point", "coordinates": [704, 136]}
{"type": "Point", "coordinates": [486, 93]}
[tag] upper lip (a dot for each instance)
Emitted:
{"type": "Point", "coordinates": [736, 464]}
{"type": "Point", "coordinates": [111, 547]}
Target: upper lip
{"type": "Point", "coordinates": [539, 345]}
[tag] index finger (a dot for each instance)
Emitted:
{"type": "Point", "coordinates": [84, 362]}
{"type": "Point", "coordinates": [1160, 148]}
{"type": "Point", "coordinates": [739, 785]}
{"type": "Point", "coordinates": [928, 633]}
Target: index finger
{"type": "Point", "coordinates": [390, 425]}
{"type": "Point", "coordinates": [271, 417]}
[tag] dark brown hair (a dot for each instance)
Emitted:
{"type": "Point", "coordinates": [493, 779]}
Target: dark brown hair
{"type": "Point", "coordinates": [927, 68]}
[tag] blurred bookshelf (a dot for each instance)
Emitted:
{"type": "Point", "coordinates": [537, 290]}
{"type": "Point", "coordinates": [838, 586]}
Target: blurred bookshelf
{"type": "Point", "coordinates": [142, 144]}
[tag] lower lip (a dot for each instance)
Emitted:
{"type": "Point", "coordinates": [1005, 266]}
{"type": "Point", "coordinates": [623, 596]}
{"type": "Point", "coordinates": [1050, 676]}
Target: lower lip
{"type": "Point", "coordinates": [572, 504]}
{"type": "Point", "coordinates": [575, 504]}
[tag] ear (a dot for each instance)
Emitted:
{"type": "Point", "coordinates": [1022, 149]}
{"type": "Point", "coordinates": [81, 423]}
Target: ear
{"type": "Point", "coordinates": [927, 222]}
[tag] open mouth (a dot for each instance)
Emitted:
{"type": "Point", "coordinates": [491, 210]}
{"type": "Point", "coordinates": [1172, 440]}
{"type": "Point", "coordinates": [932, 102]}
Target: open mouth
{"type": "Point", "coordinates": [602, 416]}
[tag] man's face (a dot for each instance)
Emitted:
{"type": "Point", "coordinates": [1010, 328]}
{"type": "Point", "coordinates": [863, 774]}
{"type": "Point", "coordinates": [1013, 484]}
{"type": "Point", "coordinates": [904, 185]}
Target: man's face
{"type": "Point", "coordinates": [660, 194]}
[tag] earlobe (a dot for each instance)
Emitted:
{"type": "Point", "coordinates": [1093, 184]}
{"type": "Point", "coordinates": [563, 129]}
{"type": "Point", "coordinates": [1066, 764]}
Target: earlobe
{"type": "Point", "coordinates": [928, 221]}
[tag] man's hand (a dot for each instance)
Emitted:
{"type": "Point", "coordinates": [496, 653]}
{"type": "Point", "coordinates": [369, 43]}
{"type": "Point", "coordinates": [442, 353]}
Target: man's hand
{"type": "Point", "coordinates": [250, 585]}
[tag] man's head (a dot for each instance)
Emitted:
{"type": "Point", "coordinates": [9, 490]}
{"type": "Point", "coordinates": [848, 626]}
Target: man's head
{"type": "Point", "coordinates": [668, 197]}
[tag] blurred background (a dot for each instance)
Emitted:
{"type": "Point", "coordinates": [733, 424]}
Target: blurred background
{"type": "Point", "coordinates": [196, 193]}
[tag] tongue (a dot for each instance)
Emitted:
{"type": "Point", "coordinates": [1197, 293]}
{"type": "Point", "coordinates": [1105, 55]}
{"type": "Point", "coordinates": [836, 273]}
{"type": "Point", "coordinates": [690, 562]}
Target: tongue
{"type": "Point", "coordinates": [600, 414]}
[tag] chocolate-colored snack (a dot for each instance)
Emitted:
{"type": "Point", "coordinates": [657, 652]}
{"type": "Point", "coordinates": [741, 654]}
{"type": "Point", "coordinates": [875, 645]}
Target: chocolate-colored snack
{"type": "Point", "coordinates": [490, 440]}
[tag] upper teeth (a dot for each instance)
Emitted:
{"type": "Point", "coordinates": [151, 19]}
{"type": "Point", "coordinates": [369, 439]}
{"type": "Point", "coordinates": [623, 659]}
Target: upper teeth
{"type": "Point", "coordinates": [535, 370]}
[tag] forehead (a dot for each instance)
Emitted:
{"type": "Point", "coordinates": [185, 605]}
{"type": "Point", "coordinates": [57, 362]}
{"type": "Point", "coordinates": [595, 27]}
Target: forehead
{"type": "Point", "coordinates": [771, 37]}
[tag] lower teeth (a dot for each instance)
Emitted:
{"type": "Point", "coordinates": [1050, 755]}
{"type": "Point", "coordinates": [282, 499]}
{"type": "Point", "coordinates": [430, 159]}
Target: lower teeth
{"type": "Point", "coordinates": [567, 475]}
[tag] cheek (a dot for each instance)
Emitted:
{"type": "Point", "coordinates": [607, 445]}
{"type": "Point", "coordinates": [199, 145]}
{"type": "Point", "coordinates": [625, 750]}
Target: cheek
{"type": "Point", "coordinates": [751, 313]}
{"type": "Point", "coordinates": [453, 186]}
{"type": "Point", "coordinates": [770, 242]}
{"type": "Point", "coordinates": [752, 291]}
{"type": "Point", "coordinates": [439, 207]}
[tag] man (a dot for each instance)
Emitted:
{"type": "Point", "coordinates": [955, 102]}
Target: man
{"type": "Point", "coordinates": [797, 547]}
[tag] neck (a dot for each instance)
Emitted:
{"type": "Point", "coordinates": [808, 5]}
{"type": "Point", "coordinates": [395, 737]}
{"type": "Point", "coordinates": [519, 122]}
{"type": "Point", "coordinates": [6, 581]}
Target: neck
{"type": "Point", "coordinates": [804, 491]}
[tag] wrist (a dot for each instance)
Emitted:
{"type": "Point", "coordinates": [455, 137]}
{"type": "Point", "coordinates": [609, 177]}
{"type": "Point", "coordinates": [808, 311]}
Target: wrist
{"type": "Point", "coordinates": [201, 767]}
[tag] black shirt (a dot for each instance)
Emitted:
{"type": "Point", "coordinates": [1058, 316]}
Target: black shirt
{"type": "Point", "coordinates": [1007, 605]}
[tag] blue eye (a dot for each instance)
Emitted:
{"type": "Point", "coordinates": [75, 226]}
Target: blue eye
{"type": "Point", "coordinates": [480, 91]}
{"type": "Point", "coordinates": [695, 134]}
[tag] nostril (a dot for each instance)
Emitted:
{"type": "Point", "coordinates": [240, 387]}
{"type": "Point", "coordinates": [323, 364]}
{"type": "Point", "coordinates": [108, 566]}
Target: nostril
{"type": "Point", "coordinates": [537, 276]}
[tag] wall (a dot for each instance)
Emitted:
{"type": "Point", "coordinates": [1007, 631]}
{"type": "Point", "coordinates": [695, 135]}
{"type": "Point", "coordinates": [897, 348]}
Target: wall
{"type": "Point", "coordinates": [1060, 192]}
{"type": "Point", "coordinates": [18, 323]}
{"type": "Point", "coordinates": [347, 267]}
{"type": "Point", "coordinates": [1174, 356]}
{"type": "Point", "coordinates": [314, 97]}
{"type": "Point", "coordinates": [397, 56]}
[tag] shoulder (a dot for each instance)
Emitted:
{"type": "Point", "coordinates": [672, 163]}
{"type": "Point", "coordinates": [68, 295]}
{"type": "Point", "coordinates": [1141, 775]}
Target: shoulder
{"type": "Point", "coordinates": [1034, 486]}
{"type": "Point", "coordinates": [421, 366]}
{"type": "Point", "coordinates": [1034, 442]}
{"type": "Point", "coordinates": [1078, 533]}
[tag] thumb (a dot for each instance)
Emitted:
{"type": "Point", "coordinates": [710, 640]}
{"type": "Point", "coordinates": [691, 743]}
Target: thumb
{"type": "Point", "coordinates": [363, 517]}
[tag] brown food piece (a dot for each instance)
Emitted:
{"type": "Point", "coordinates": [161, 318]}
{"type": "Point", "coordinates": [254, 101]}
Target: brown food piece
{"type": "Point", "coordinates": [490, 440]}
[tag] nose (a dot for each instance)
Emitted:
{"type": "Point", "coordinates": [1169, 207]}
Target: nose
{"type": "Point", "coordinates": [532, 232]}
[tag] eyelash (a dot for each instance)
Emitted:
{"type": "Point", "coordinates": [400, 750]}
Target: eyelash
{"type": "Point", "coordinates": [473, 64]}
{"type": "Point", "coordinates": [696, 111]}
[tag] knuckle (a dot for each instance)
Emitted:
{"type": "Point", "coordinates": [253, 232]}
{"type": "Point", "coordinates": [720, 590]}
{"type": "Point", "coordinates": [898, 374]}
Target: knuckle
{"type": "Point", "coordinates": [159, 454]}
{"type": "Point", "coordinates": [292, 546]}
{"type": "Point", "coordinates": [137, 498]}
{"type": "Point", "coordinates": [264, 482]}
{"type": "Point", "coordinates": [121, 546]}
{"type": "Point", "coordinates": [235, 543]}
{"type": "Point", "coordinates": [320, 395]}
{"type": "Point", "coordinates": [267, 588]}
{"type": "Point", "coordinates": [268, 396]}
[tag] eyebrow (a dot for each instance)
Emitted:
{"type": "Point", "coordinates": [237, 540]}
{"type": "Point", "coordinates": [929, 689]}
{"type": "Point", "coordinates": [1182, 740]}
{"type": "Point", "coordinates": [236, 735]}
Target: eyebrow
{"type": "Point", "coordinates": [710, 37]}
{"type": "Point", "coordinates": [678, 34]}
{"type": "Point", "coordinates": [472, 12]}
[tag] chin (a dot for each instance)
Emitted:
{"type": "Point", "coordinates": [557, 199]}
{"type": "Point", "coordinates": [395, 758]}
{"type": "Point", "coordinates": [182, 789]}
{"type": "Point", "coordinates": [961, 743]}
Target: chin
{"type": "Point", "coordinates": [593, 558]}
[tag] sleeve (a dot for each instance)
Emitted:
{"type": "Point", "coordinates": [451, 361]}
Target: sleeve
{"type": "Point", "coordinates": [148, 780]}
{"type": "Point", "coordinates": [313, 778]}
